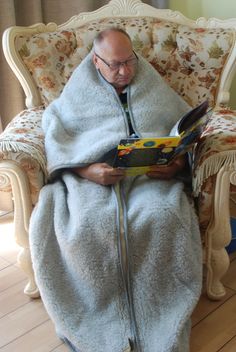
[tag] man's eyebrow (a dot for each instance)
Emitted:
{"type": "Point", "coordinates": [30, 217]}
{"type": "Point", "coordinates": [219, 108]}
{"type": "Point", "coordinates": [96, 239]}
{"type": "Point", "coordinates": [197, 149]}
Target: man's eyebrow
{"type": "Point", "coordinates": [129, 57]}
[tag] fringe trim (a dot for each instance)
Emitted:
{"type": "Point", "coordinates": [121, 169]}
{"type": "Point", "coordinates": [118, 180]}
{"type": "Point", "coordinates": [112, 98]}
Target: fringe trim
{"type": "Point", "coordinates": [18, 147]}
{"type": "Point", "coordinates": [211, 166]}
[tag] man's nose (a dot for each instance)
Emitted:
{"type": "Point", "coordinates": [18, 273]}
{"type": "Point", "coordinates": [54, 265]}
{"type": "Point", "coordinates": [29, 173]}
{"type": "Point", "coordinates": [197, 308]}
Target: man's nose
{"type": "Point", "coordinates": [123, 69]}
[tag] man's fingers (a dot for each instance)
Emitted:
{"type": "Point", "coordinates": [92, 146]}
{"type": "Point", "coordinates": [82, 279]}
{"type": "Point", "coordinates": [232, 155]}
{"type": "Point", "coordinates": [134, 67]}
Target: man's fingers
{"type": "Point", "coordinates": [117, 172]}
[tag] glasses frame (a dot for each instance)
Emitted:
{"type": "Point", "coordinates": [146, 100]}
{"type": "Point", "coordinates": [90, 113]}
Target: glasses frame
{"type": "Point", "coordinates": [120, 63]}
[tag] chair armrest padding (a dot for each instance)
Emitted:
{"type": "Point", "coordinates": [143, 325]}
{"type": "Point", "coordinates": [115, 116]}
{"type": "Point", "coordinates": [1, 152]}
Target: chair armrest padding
{"type": "Point", "coordinates": [24, 136]}
{"type": "Point", "coordinates": [216, 147]}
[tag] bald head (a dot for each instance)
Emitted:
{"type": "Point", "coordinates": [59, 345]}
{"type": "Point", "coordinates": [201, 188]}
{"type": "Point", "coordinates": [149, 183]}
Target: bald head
{"type": "Point", "coordinates": [108, 33]}
{"type": "Point", "coordinates": [113, 41]}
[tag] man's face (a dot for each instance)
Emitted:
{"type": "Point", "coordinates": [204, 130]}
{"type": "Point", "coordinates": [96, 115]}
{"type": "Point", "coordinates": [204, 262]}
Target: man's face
{"type": "Point", "coordinates": [116, 60]}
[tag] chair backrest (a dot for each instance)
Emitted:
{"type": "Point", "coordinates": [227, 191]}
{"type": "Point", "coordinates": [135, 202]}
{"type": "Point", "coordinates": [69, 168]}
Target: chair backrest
{"type": "Point", "coordinates": [197, 58]}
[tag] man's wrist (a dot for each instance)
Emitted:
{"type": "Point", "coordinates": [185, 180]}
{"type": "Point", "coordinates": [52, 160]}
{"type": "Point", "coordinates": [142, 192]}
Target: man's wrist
{"type": "Point", "coordinates": [179, 163]}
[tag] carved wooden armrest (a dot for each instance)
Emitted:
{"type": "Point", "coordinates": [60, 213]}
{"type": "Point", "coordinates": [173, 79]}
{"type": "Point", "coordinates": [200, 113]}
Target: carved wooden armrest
{"type": "Point", "coordinates": [23, 172]}
{"type": "Point", "coordinates": [216, 148]}
{"type": "Point", "coordinates": [213, 173]}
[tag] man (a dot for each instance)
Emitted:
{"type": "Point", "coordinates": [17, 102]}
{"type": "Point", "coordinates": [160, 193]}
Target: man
{"type": "Point", "coordinates": [117, 259]}
{"type": "Point", "coordinates": [118, 48]}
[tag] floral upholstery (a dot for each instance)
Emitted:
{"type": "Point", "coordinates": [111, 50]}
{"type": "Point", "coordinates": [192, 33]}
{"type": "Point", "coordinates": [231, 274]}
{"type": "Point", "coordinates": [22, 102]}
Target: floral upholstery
{"type": "Point", "coordinates": [215, 148]}
{"type": "Point", "coordinates": [191, 60]}
{"type": "Point", "coordinates": [25, 137]}
{"type": "Point", "coordinates": [216, 145]}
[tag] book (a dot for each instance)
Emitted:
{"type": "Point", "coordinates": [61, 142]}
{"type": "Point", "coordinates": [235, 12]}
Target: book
{"type": "Point", "coordinates": [138, 155]}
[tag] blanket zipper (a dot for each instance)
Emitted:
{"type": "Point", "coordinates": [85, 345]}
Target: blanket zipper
{"type": "Point", "coordinates": [123, 251]}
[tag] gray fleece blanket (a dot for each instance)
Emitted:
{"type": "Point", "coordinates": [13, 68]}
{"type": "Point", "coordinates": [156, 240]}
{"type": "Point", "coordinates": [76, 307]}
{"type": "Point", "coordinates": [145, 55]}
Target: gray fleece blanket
{"type": "Point", "coordinates": [118, 268]}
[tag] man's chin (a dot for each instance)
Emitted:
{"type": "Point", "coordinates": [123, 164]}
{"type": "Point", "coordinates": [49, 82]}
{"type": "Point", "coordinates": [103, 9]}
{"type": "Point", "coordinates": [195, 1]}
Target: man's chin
{"type": "Point", "coordinates": [122, 83]}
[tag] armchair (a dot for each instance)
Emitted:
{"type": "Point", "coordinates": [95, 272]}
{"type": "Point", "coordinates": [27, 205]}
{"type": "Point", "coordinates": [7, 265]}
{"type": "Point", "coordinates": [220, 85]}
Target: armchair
{"type": "Point", "coordinates": [197, 59]}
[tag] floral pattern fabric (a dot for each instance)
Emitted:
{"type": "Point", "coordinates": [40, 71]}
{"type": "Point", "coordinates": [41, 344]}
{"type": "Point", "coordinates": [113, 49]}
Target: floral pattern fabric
{"type": "Point", "coordinates": [23, 142]}
{"type": "Point", "coordinates": [215, 149]}
{"type": "Point", "coordinates": [190, 59]}
{"type": "Point", "coordinates": [219, 136]}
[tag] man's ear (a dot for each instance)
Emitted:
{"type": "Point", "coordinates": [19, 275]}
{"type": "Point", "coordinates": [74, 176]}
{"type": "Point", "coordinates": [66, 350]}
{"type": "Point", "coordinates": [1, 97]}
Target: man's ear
{"type": "Point", "coordinates": [95, 60]}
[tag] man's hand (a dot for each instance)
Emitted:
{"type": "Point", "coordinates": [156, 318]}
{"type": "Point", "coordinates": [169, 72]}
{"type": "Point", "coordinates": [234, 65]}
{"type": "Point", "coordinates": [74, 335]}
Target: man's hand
{"type": "Point", "coordinates": [100, 173]}
{"type": "Point", "coordinates": [167, 172]}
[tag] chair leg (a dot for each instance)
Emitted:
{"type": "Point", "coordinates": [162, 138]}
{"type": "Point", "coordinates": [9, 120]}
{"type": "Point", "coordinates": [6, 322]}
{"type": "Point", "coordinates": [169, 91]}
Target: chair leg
{"type": "Point", "coordinates": [24, 261]}
{"type": "Point", "coordinates": [216, 269]}
{"type": "Point", "coordinates": [10, 171]}
{"type": "Point", "coordinates": [218, 236]}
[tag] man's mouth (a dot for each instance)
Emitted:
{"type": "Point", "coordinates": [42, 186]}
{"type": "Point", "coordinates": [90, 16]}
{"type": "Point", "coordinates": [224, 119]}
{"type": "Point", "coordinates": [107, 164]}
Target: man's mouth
{"type": "Point", "coordinates": [126, 78]}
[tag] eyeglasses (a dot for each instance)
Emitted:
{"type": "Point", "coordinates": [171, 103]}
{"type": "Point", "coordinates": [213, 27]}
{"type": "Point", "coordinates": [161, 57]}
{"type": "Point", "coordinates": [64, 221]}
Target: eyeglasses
{"type": "Point", "coordinates": [116, 65]}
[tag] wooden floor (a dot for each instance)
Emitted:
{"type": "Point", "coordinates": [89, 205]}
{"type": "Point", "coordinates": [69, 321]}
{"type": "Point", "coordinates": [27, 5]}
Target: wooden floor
{"type": "Point", "coordinates": [26, 327]}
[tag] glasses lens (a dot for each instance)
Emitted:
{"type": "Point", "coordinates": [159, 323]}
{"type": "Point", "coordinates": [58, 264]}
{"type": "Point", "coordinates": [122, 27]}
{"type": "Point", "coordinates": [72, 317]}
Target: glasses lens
{"type": "Point", "coordinates": [115, 66]}
{"type": "Point", "coordinates": [129, 63]}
